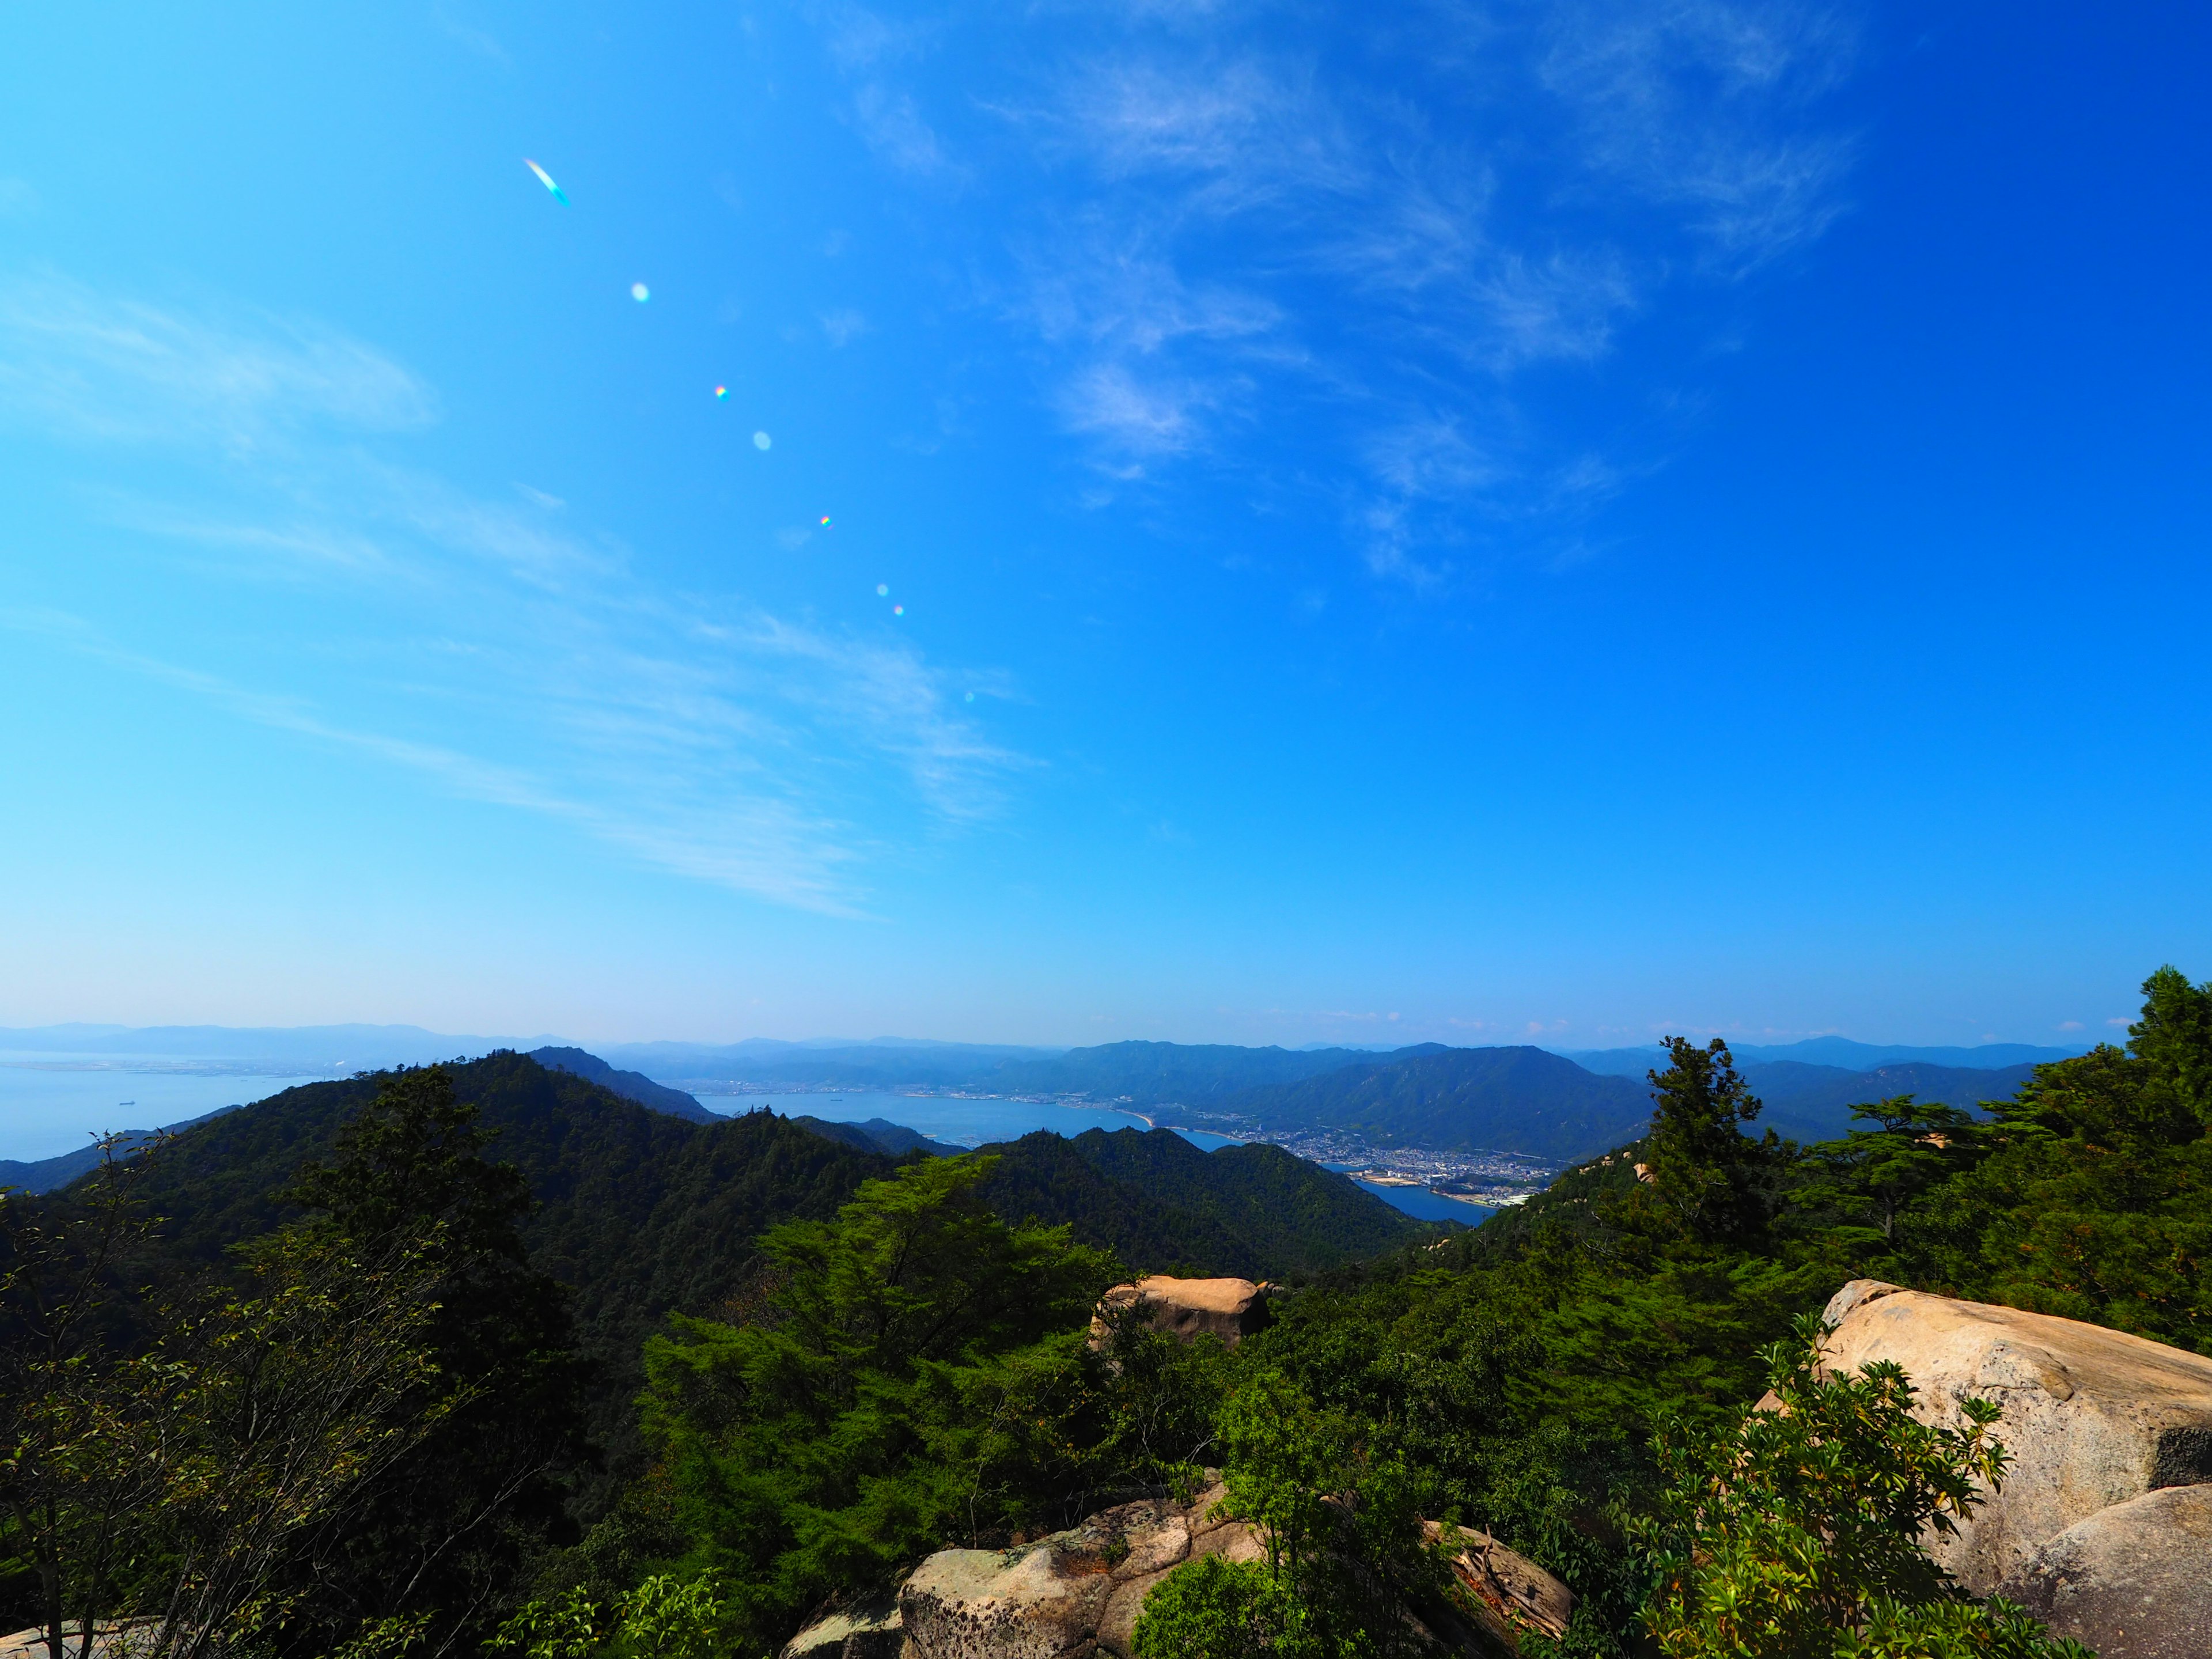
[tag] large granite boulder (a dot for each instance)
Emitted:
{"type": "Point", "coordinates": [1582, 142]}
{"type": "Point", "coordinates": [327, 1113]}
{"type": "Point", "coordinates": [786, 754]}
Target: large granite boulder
{"type": "Point", "coordinates": [1074, 1592]}
{"type": "Point", "coordinates": [2133, 1581]}
{"type": "Point", "coordinates": [2093, 1418]}
{"type": "Point", "coordinates": [1231, 1309]}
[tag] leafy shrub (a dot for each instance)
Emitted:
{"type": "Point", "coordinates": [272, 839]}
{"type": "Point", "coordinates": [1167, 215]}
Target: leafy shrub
{"type": "Point", "coordinates": [1798, 1533]}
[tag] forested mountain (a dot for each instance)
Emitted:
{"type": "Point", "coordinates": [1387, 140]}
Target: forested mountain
{"type": "Point", "coordinates": [879, 1134]}
{"type": "Point", "coordinates": [640, 1212]}
{"type": "Point", "coordinates": [46, 1174]}
{"type": "Point", "coordinates": [637, 1211]}
{"type": "Point", "coordinates": [631, 1085]}
{"type": "Point", "coordinates": [1285, 1215]}
{"type": "Point", "coordinates": [1519, 1099]}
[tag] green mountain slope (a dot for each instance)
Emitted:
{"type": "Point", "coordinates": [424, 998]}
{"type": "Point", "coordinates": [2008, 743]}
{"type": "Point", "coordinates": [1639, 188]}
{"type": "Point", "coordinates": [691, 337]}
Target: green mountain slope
{"type": "Point", "coordinates": [1516, 1100]}
{"type": "Point", "coordinates": [639, 1212]}
{"type": "Point", "coordinates": [1297, 1216]}
{"type": "Point", "coordinates": [631, 1085]}
{"type": "Point", "coordinates": [879, 1134]}
{"type": "Point", "coordinates": [1043, 1177]}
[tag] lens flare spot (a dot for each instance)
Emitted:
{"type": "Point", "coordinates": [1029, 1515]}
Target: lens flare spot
{"type": "Point", "coordinates": [761, 441]}
{"type": "Point", "coordinates": [639, 292]}
{"type": "Point", "coordinates": [971, 696]}
{"type": "Point", "coordinates": [898, 610]}
{"type": "Point", "coordinates": [825, 521]}
{"type": "Point", "coordinates": [883, 590]}
{"type": "Point", "coordinates": [546, 179]}
{"type": "Point", "coordinates": [721, 392]}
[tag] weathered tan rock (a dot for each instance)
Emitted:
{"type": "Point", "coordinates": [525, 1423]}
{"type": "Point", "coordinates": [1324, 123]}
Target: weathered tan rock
{"type": "Point", "coordinates": [2093, 1417]}
{"type": "Point", "coordinates": [1075, 1592]}
{"type": "Point", "coordinates": [1231, 1309]}
{"type": "Point", "coordinates": [2133, 1581]}
{"type": "Point", "coordinates": [111, 1639]}
{"type": "Point", "coordinates": [1509, 1595]}
{"type": "Point", "coordinates": [869, 1632]}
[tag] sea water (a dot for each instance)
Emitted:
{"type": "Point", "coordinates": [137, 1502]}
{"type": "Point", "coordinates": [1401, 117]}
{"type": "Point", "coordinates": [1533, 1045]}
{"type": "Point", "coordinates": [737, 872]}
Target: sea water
{"type": "Point", "coordinates": [54, 1103]}
{"type": "Point", "coordinates": [958, 1122]}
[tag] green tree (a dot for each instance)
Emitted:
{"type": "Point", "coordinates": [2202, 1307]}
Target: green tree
{"type": "Point", "coordinates": [269, 1415]}
{"type": "Point", "coordinates": [1797, 1533]}
{"type": "Point", "coordinates": [914, 1371]}
{"type": "Point", "coordinates": [2174, 1037]}
{"type": "Point", "coordinates": [1858, 1198]}
{"type": "Point", "coordinates": [68, 1500]}
{"type": "Point", "coordinates": [445, 1531]}
{"type": "Point", "coordinates": [2091, 1194]}
{"type": "Point", "coordinates": [1341, 1531]}
{"type": "Point", "coordinates": [1216, 1609]}
{"type": "Point", "coordinates": [1708, 1183]}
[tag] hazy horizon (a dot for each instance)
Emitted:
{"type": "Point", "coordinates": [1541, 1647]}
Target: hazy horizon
{"type": "Point", "coordinates": [544, 1038]}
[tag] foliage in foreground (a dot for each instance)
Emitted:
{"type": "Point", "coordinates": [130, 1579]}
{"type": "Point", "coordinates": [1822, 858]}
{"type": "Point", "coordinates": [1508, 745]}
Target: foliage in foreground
{"type": "Point", "coordinates": [908, 1374]}
{"type": "Point", "coordinates": [915, 1374]}
{"type": "Point", "coordinates": [344, 1444]}
{"type": "Point", "coordinates": [1798, 1534]}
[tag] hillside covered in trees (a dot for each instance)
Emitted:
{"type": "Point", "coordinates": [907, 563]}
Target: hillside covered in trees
{"type": "Point", "coordinates": [486, 1359]}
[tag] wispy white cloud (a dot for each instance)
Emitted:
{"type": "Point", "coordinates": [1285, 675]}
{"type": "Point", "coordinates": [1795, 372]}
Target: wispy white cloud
{"type": "Point", "coordinates": [892, 123]}
{"type": "Point", "coordinates": [698, 733]}
{"type": "Point", "coordinates": [77, 363]}
{"type": "Point", "coordinates": [1696, 103]}
{"type": "Point", "coordinates": [1250, 216]}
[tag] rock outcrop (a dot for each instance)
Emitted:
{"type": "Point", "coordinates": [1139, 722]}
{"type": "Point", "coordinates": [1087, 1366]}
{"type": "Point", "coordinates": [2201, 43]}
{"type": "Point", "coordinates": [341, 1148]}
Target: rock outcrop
{"type": "Point", "coordinates": [113, 1639]}
{"type": "Point", "coordinates": [1075, 1595]}
{"type": "Point", "coordinates": [1076, 1588]}
{"type": "Point", "coordinates": [2092, 1417]}
{"type": "Point", "coordinates": [2103, 1525]}
{"type": "Point", "coordinates": [2130, 1579]}
{"type": "Point", "coordinates": [1231, 1309]}
{"type": "Point", "coordinates": [1074, 1592]}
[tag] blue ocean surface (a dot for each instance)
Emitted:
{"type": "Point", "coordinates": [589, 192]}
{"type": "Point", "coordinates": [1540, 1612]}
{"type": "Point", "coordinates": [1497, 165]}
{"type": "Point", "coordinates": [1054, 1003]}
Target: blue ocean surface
{"type": "Point", "coordinates": [55, 1104]}
{"type": "Point", "coordinates": [1425, 1206]}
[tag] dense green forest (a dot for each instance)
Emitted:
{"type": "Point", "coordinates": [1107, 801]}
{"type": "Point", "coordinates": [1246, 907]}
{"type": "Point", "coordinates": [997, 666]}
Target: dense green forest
{"type": "Point", "coordinates": [481, 1358]}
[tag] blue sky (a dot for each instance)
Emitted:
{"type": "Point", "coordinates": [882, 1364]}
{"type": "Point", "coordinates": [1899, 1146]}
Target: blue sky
{"type": "Point", "coordinates": [1474, 522]}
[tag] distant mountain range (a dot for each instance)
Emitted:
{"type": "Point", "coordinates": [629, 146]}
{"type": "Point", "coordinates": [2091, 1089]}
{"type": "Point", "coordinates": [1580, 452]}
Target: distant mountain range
{"type": "Point", "coordinates": [1515, 1099]}
{"type": "Point", "coordinates": [1520, 1100]}
{"type": "Point", "coordinates": [1530, 1100]}
{"type": "Point", "coordinates": [1813, 1103]}
{"type": "Point", "coordinates": [1840, 1053]}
